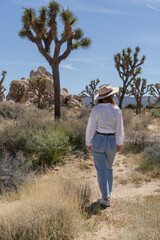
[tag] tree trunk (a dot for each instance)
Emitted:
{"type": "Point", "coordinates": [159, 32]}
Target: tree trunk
{"type": "Point", "coordinates": [56, 85]}
{"type": "Point", "coordinates": [93, 101]}
{"type": "Point", "coordinates": [122, 97]}
{"type": "Point", "coordinates": [39, 100]}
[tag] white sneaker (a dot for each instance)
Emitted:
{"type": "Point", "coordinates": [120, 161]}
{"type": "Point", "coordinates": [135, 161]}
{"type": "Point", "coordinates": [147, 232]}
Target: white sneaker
{"type": "Point", "coordinates": [106, 203]}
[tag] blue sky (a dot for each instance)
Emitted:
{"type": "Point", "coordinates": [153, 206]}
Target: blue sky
{"type": "Point", "coordinates": [111, 24]}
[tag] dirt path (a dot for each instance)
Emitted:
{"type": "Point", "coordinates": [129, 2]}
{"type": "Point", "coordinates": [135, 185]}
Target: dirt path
{"type": "Point", "coordinates": [128, 184]}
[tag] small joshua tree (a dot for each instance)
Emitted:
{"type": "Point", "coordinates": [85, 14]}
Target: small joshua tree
{"type": "Point", "coordinates": [139, 88]}
{"type": "Point", "coordinates": [17, 91]}
{"type": "Point", "coordinates": [90, 91]}
{"type": "Point", "coordinates": [2, 89]}
{"type": "Point", "coordinates": [38, 87]}
{"type": "Point", "coordinates": [155, 92]}
{"type": "Point", "coordinates": [42, 31]}
{"type": "Point", "coordinates": [128, 68]}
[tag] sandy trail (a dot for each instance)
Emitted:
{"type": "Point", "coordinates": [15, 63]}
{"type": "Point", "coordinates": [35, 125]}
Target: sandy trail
{"type": "Point", "coordinates": [83, 171]}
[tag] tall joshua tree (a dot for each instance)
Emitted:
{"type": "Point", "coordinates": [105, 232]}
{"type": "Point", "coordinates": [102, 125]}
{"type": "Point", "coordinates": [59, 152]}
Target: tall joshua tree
{"type": "Point", "coordinates": [42, 31]}
{"type": "Point", "coordinates": [2, 89]}
{"type": "Point", "coordinates": [90, 90]}
{"type": "Point", "coordinates": [139, 88]}
{"type": "Point", "coordinates": [128, 68]}
{"type": "Point", "coordinates": [155, 91]}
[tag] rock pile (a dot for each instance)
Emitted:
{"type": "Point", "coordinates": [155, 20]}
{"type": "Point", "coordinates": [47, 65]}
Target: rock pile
{"type": "Point", "coordinates": [30, 98]}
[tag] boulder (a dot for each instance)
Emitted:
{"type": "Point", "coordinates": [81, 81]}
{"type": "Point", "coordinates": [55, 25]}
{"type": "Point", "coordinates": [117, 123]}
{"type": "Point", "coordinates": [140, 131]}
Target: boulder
{"type": "Point", "coordinates": [68, 97]}
{"type": "Point", "coordinates": [65, 90]}
{"type": "Point", "coordinates": [73, 103]}
{"type": "Point", "coordinates": [78, 98]}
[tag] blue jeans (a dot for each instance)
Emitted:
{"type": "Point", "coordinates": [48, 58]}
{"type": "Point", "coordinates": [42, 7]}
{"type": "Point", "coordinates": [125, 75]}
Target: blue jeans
{"type": "Point", "coordinates": [104, 151]}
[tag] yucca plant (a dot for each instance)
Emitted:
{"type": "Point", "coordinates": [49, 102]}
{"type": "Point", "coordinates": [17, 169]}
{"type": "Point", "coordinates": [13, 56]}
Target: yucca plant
{"type": "Point", "coordinates": [128, 68]}
{"type": "Point", "coordinates": [155, 92]}
{"type": "Point", "coordinates": [90, 90]}
{"type": "Point", "coordinates": [42, 30]}
{"type": "Point", "coordinates": [138, 89]}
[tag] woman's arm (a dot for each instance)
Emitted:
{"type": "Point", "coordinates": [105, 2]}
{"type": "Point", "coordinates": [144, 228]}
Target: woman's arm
{"type": "Point", "coordinates": [119, 131]}
{"type": "Point", "coordinates": [91, 128]}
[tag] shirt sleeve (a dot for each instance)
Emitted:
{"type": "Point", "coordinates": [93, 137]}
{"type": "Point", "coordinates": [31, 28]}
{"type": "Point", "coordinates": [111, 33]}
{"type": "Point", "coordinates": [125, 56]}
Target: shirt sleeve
{"type": "Point", "coordinates": [119, 130]}
{"type": "Point", "coordinates": [91, 128]}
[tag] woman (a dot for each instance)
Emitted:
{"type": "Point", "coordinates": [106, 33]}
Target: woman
{"type": "Point", "coordinates": [105, 136]}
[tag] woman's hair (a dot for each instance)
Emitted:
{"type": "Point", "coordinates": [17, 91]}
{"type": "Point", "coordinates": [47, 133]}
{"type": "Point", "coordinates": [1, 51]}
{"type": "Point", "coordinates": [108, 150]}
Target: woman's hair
{"type": "Point", "coordinates": [108, 99]}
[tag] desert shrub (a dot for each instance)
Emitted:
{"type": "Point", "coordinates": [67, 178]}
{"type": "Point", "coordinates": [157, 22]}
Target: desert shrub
{"type": "Point", "coordinates": [44, 211]}
{"type": "Point", "coordinates": [42, 139]}
{"type": "Point", "coordinates": [137, 135]}
{"type": "Point", "coordinates": [150, 162]}
{"type": "Point", "coordinates": [11, 111]}
{"type": "Point", "coordinates": [155, 113]}
{"type": "Point", "coordinates": [13, 170]}
{"type": "Point", "coordinates": [131, 106]}
{"type": "Point", "coordinates": [49, 146]}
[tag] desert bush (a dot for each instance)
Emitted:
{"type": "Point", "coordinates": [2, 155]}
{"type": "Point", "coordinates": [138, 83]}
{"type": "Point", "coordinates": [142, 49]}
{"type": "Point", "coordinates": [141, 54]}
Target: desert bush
{"type": "Point", "coordinates": [131, 106]}
{"type": "Point", "coordinates": [44, 211]}
{"type": "Point", "coordinates": [150, 162]}
{"type": "Point", "coordinates": [137, 135]}
{"type": "Point", "coordinates": [41, 138]}
{"type": "Point", "coordinates": [155, 113]}
{"type": "Point", "coordinates": [13, 171]}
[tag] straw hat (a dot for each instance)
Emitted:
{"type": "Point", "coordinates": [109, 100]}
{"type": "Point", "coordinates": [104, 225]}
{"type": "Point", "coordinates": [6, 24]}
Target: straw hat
{"type": "Point", "coordinates": [105, 90]}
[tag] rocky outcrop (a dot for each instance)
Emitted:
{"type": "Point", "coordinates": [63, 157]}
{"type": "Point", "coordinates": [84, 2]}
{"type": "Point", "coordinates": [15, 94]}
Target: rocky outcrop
{"type": "Point", "coordinates": [30, 98]}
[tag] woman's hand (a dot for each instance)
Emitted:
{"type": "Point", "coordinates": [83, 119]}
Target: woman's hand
{"type": "Point", "coordinates": [118, 148]}
{"type": "Point", "coordinates": [89, 148]}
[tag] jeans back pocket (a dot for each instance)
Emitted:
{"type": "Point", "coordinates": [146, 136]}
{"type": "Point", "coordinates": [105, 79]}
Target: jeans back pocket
{"type": "Point", "coordinates": [99, 143]}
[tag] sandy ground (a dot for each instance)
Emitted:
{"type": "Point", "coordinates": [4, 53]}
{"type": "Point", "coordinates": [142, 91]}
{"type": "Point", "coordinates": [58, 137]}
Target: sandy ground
{"type": "Point", "coordinates": [128, 184]}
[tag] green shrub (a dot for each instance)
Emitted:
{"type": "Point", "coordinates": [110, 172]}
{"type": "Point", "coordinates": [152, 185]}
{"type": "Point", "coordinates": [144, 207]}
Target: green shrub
{"type": "Point", "coordinates": [49, 146]}
{"type": "Point", "coordinates": [131, 106]}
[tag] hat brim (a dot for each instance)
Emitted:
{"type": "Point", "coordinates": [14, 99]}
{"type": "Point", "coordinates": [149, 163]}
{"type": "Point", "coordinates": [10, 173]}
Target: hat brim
{"type": "Point", "coordinates": [114, 90]}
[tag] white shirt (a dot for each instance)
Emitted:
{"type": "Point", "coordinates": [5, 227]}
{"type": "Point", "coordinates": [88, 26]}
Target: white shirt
{"type": "Point", "coordinates": [105, 118]}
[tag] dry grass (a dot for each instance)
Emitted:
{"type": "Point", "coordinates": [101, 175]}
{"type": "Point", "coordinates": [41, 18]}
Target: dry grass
{"type": "Point", "coordinates": [143, 218]}
{"type": "Point", "coordinates": [49, 209]}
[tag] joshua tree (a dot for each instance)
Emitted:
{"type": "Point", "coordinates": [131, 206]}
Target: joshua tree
{"type": "Point", "coordinates": [42, 31]}
{"type": "Point", "coordinates": [90, 90]}
{"type": "Point", "coordinates": [38, 87]}
{"type": "Point", "coordinates": [2, 89]}
{"type": "Point", "coordinates": [118, 94]}
{"type": "Point", "coordinates": [17, 91]}
{"type": "Point", "coordinates": [139, 88]}
{"type": "Point", "coordinates": [128, 68]}
{"type": "Point", "coordinates": [155, 91]}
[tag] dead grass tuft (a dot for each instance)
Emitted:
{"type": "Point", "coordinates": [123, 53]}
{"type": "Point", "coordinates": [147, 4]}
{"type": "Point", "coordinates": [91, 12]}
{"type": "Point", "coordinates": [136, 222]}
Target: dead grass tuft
{"type": "Point", "coordinates": [48, 209]}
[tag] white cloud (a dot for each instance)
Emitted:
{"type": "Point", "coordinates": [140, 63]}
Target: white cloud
{"type": "Point", "coordinates": [85, 60]}
{"type": "Point", "coordinates": [7, 62]}
{"type": "Point", "coordinates": [68, 66]}
{"type": "Point", "coordinates": [96, 9]}
{"type": "Point", "coordinates": [74, 5]}
{"type": "Point", "coordinates": [157, 9]}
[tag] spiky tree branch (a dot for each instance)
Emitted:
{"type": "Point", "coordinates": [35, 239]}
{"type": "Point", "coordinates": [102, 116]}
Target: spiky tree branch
{"type": "Point", "coordinates": [42, 30]}
{"type": "Point", "coordinates": [90, 90]}
{"type": "Point", "coordinates": [138, 89]}
{"type": "Point", "coordinates": [155, 91]}
{"type": "Point", "coordinates": [2, 89]}
{"type": "Point", "coordinates": [128, 67]}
